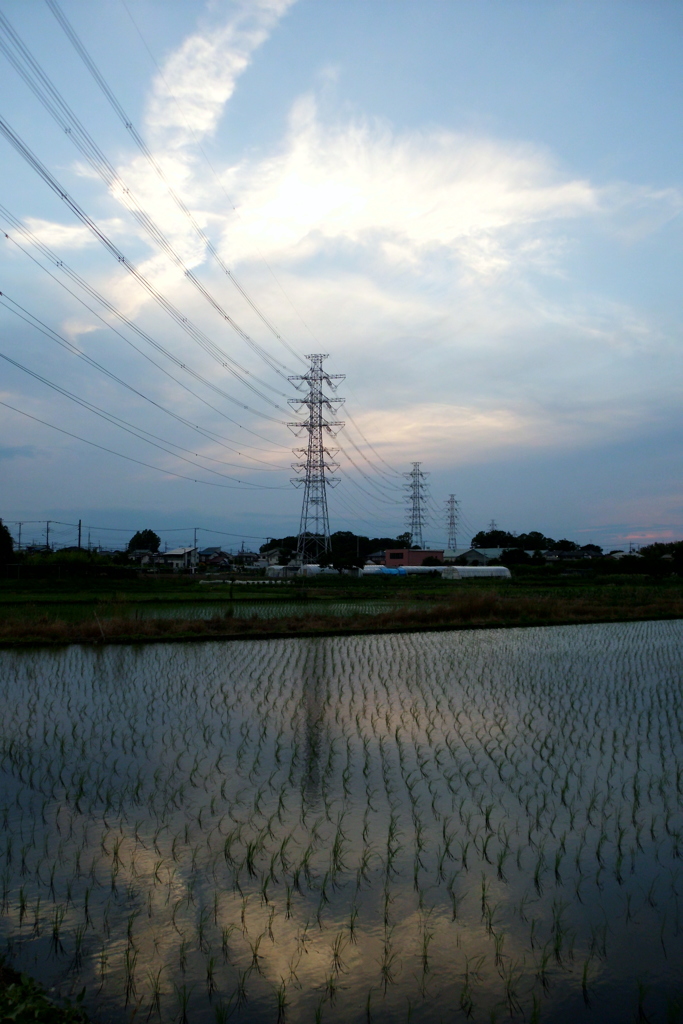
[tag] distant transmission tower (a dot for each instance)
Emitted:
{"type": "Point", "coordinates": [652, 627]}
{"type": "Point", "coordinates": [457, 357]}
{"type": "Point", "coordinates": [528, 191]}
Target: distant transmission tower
{"type": "Point", "coordinates": [317, 461]}
{"type": "Point", "coordinates": [453, 514]}
{"type": "Point", "coordinates": [417, 493]}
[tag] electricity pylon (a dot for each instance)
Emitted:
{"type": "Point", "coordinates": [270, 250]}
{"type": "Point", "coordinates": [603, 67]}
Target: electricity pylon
{"type": "Point", "coordinates": [417, 491]}
{"type": "Point", "coordinates": [317, 461]}
{"type": "Point", "coordinates": [453, 514]}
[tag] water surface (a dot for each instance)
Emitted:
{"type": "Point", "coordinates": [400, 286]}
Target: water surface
{"type": "Point", "coordinates": [396, 827]}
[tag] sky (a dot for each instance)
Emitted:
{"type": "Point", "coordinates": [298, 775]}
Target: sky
{"type": "Point", "coordinates": [473, 208]}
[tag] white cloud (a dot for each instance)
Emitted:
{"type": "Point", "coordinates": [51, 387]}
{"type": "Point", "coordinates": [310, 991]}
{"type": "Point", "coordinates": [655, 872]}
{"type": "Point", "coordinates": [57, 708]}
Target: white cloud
{"type": "Point", "coordinates": [69, 236]}
{"type": "Point", "coordinates": [403, 196]}
{"type": "Point", "coordinates": [198, 79]}
{"type": "Point", "coordinates": [454, 433]}
{"type": "Point", "coordinates": [415, 255]}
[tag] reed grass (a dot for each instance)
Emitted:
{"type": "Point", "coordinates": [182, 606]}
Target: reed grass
{"type": "Point", "coordinates": [466, 609]}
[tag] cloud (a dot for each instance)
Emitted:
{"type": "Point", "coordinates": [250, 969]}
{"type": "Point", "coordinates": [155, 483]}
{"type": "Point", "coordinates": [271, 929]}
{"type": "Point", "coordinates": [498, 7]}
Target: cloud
{"type": "Point", "coordinates": [448, 433]}
{"type": "Point", "coordinates": [197, 80]}
{"type": "Point", "coordinates": [403, 196]}
{"type": "Point", "coordinates": [69, 236]}
{"type": "Point", "coordinates": [21, 451]}
{"type": "Point", "coordinates": [420, 257]}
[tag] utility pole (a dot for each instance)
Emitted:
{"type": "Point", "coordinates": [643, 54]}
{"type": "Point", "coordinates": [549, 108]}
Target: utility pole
{"type": "Point", "coordinates": [453, 513]}
{"type": "Point", "coordinates": [417, 491]}
{"type": "Point", "coordinates": [195, 537]}
{"type": "Point", "coordinates": [316, 460]}
{"type": "Point", "coordinates": [79, 534]}
{"type": "Point", "coordinates": [19, 541]}
{"type": "Point", "coordinates": [47, 534]}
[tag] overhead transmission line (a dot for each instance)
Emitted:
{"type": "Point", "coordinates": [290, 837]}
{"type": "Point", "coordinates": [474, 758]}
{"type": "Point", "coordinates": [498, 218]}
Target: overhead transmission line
{"type": "Point", "coordinates": [128, 458]}
{"type": "Point", "coordinates": [215, 174]}
{"type": "Point", "coordinates": [146, 152]}
{"type": "Point", "coordinates": [130, 428]}
{"type": "Point", "coordinates": [48, 332]}
{"type": "Point", "coordinates": [47, 93]}
{"type": "Point", "coordinates": [362, 454]}
{"type": "Point", "coordinates": [144, 149]}
{"type": "Point", "coordinates": [129, 529]}
{"type": "Point", "coordinates": [184, 322]}
{"type": "Point", "coordinates": [381, 496]}
{"type": "Point", "coordinates": [396, 472]}
{"type": "Point", "coordinates": [359, 514]}
{"type": "Point", "coordinates": [111, 308]}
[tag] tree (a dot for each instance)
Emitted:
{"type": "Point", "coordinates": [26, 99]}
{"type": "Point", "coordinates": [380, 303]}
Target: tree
{"type": "Point", "coordinates": [515, 556]}
{"type": "Point", "coordinates": [534, 541]}
{"type": "Point", "coordinates": [279, 542]}
{"type": "Point", "coordinates": [431, 560]}
{"type": "Point", "coordinates": [6, 543]}
{"type": "Point", "coordinates": [495, 539]}
{"type": "Point", "coordinates": [144, 540]}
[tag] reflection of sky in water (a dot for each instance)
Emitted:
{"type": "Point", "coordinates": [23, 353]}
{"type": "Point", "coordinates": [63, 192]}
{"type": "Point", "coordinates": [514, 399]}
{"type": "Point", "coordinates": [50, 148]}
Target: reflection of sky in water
{"type": "Point", "coordinates": [393, 827]}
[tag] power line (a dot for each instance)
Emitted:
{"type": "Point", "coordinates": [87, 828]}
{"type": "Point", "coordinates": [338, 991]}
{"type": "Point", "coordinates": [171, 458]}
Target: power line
{"type": "Point", "coordinates": [216, 176]}
{"type": "Point", "coordinates": [126, 529]}
{"type": "Point", "coordinates": [372, 448]}
{"type": "Point", "coordinates": [129, 458]}
{"type": "Point", "coordinates": [144, 149]}
{"type": "Point", "coordinates": [129, 428]}
{"type": "Point", "coordinates": [53, 335]}
{"type": "Point", "coordinates": [144, 335]}
{"type": "Point", "coordinates": [48, 94]}
{"type": "Point", "coordinates": [184, 322]}
{"type": "Point", "coordinates": [381, 496]}
{"type": "Point", "coordinates": [362, 454]}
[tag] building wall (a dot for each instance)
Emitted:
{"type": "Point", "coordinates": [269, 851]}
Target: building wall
{"type": "Point", "coordinates": [395, 557]}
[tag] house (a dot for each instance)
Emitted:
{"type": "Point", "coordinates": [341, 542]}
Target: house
{"type": "Point", "coordinates": [214, 558]}
{"type": "Point", "coordinates": [475, 556]}
{"type": "Point", "coordinates": [178, 558]}
{"type": "Point", "coordinates": [142, 555]}
{"type": "Point", "coordinates": [395, 557]}
{"type": "Point", "coordinates": [206, 553]}
{"type": "Point", "coordinates": [246, 558]}
{"type": "Point", "coordinates": [272, 556]}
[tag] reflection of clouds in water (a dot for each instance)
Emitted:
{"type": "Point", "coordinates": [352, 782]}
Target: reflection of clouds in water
{"type": "Point", "coordinates": [393, 818]}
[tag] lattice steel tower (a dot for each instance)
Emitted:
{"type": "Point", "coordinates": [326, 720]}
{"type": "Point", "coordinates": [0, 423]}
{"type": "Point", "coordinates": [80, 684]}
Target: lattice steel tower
{"type": "Point", "coordinates": [453, 518]}
{"type": "Point", "coordinates": [417, 494]}
{"type": "Point", "coordinates": [317, 460]}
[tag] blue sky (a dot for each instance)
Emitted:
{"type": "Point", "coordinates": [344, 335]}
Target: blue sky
{"type": "Point", "coordinates": [475, 208]}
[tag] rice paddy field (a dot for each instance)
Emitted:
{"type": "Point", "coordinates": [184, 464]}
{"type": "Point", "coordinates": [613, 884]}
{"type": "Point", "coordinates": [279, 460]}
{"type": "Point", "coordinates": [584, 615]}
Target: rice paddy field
{"type": "Point", "coordinates": [63, 611]}
{"type": "Point", "coordinates": [409, 827]}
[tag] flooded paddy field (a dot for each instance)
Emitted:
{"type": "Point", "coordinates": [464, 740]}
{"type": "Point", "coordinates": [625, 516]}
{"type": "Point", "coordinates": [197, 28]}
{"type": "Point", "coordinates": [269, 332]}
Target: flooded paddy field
{"type": "Point", "coordinates": [268, 609]}
{"type": "Point", "coordinates": [414, 827]}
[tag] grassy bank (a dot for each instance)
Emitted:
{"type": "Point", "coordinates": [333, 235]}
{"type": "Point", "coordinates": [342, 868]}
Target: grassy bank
{"type": "Point", "coordinates": [470, 608]}
{"type": "Point", "coordinates": [24, 1001]}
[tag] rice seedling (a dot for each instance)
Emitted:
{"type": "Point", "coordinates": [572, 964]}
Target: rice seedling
{"type": "Point", "coordinates": [382, 800]}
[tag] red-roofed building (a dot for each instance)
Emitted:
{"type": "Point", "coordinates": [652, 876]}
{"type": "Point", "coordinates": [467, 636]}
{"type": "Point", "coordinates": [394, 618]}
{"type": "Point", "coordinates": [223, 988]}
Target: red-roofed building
{"type": "Point", "coordinates": [395, 557]}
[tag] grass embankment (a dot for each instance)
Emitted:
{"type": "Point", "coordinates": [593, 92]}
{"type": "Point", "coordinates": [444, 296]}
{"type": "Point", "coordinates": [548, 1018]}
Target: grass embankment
{"type": "Point", "coordinates": [466, 609]}
{"type": "Point", "coordinates": [24, 1001]}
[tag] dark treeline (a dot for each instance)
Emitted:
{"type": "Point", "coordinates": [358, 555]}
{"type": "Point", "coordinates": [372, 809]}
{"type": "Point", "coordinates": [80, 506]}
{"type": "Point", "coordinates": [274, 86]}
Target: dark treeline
{"type": "Point", "coordinates": [532, 541]}
{"type": "Point", "coordinates": [347, 549]}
